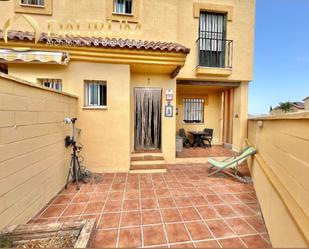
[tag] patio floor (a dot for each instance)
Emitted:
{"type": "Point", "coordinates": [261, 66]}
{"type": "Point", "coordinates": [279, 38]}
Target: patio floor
{"type": "Point", "coordinates": [180, 208]}
{"type": "Point", "coordinates": [214, 151]}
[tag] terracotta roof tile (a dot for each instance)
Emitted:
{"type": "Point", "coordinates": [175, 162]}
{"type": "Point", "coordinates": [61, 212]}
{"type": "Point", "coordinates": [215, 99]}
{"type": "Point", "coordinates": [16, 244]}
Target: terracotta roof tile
{"type": "Point", "coordinates": [100, 42]}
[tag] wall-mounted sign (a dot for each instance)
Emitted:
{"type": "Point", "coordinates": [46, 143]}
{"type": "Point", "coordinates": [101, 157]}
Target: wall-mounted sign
{"type": "Point", "coordinates": [89, 28]}
{"type": "Point", "coordinates": [169, 111]}
{"type": "Point", "coordinates": [169, 95]}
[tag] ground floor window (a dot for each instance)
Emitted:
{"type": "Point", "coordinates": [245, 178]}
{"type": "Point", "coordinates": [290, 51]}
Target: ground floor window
{"type": "Point", "coordinates": [95, 93]}
{"type": "Point", "coordinates": [193, 110]}
{"type": "Point", "coordinates": [3, 68]}
{"type": "Point", "coordinates": [55, 84]}
{"type": "Point", "coordinates": [123, 6]}
{"type": "Point", "coordinates": [39, 3]}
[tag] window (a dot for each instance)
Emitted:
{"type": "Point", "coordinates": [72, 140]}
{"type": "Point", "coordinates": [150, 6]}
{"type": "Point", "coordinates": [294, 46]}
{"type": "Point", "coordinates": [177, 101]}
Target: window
{"type": "Point", "coordinates": [95, 93]}
{"type": "Point", "coordinates": [212, 39]}
{"type": "Point", "coordinates": [123, 6]}
{"type": "Point", "coordinates": [3, 68]}
{"type": "Point", "coordinates": [55, 84]}
{"type": "Point", "coordinates": [193, 110]}
{"type": "Point", "coordinates": [39, 3]}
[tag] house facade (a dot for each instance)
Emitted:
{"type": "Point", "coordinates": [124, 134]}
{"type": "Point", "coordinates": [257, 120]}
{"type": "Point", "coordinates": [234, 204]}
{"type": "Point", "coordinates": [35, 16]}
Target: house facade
{"type": "Point", "coordinates": [141, 69]}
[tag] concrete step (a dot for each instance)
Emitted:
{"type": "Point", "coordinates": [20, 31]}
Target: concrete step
{"type": "Point", "coordinates": [148, 167]}
{"type": "Point", "coordinates": [147, 158]}
{"type": "Point", "coordinates": [143, 154]}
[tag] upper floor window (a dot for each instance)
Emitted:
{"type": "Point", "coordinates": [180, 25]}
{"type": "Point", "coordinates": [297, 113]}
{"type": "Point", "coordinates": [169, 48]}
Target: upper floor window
{"type": "Point", "coordinates": [214, 49]}
{"type": "Point", "coordinates": [35, 3]}
{"type": "Point", "coordinates": [193, 110]}
{"type": "Point", "coordinates": [123, 6]}
{"type": "Point", "coordinates": [55, 84]}
{"type": "Point", "coordinates": [95, 93]}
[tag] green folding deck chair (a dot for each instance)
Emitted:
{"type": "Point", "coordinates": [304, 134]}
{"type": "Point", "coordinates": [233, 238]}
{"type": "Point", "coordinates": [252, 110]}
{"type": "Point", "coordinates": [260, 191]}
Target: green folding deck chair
{"type": "Point", "coordinates": [232, 163]}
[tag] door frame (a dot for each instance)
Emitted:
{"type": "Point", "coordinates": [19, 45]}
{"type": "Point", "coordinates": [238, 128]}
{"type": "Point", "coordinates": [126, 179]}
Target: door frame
{"type": "Point", "coordinates": [134, 118]}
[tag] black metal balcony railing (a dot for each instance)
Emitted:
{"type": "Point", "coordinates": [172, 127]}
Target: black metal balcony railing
{"type": "Point", "coordinates": [213, 52]}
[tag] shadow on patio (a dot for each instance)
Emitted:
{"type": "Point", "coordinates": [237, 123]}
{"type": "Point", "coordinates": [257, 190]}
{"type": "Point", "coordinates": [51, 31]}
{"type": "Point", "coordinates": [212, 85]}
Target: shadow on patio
{"type": "Point", "coordinates": [180, 208]}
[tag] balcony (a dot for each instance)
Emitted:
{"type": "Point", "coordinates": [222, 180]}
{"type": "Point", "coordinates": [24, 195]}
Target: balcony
{"type": "Point", "coordinates": [214, 56]}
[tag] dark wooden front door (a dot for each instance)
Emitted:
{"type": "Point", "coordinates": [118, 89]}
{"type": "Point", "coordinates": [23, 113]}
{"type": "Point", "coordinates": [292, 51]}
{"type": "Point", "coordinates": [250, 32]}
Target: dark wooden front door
{"type": "Point", "coordinates": [147, 118]}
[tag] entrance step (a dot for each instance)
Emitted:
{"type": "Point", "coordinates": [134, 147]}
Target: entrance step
{"type": "Point", "coordinates": [147, 161]}
{"type": "Point", "coordinates": [148, 168]}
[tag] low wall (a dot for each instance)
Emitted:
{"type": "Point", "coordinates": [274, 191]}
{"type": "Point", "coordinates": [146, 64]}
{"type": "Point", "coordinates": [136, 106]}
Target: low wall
{"type": "Point", "coordinates": [280, 171]}
{"type": "Point", "coordinates": [33, 159]}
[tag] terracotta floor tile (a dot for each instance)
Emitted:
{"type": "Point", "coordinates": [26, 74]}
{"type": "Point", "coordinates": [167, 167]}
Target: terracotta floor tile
{"type": "Point", "coordinates": [87, 188]}
{"type": "Point", "coordinates": [232, 243]}
{"type": "Point", "coordinates": [74, 209]}
{"type": "Point", "coordinates": [53, 211]}
{"type": "Point", "coordinates": [189, 214]}
{"type": "Point", "coordinates": [257, 223]}
{"type": "Point", "coordinates": [240, 226]}
{"type": "Point", "coordinates": [166, 203]}
{"type": "Point", "coordinates": [171, 215]}
{"type": "Point", "coordinates": [207, 212]}
{"type": "Point", "coordinates": [98, 197]}
{"type": "Point", "coordinates": [105, 239]}
{"type": "Point", "coordinates": [63, 199]}
{"type": "Point", "coordinates": [154, 235]}
{"type": "Point", "coordinates": [131, 205]}
{"type": "Point", "coordinates": [130, 238]}
{"type": "Point", "coordinates": [225, 211]}
{"type": "Point", "coordinates": [162, 193]}
{"type": "Point", "coordinates": [220, 229]}
{"type": "Point", "coordinates": [130, 219]}
{"type": "Point", "coordinates": [148, 193]}
{"type": "Point", "coordinates": [118, 187]}
{"type": "Point", "coordinates": [242, 209]}
{"type": "Point", "coordinates": [255, 241]}
{"type": "Point", "coordinates": [177, 233]}
{"type": "Point", "coordinates": [81, 198]}
{"type": "Point", "coordinates": [207, 244]}
{"type": "Point", "coordinates": [229, 198]}
{"type": "Point", "coordinates": [177, 192]}
{"type": "Point", "coordinates": [115, 196]}
{"type": "Point", "coordinates": [245, 198]}
{"type": "Point", "coordinates": [94, 208]}
{"type": "Point", "coordinates": [214, 199]}
{"type": "Point", "coordinates": [199, 231]}
{"type": "Point", "coordinates": [103, 187]}
{"type": "Point", "coordinates": [199, 201]}
{"type": "Point", "coordinates": [149, 204]}
{"type": "Point", "coordinates": [112, 206]}
{"type": "Point", "coordinates": [110, 220]}
{"type": "Point", "coordinates": [183, 201]}
{"type": "Point", "coordinates": [182, 245]}
{"type": "Point", "coordinates": [151, 217]}
{"type": "Point", "coordinates": [134, 186]}
{"type": "Point", "coordinates": [131, 195]}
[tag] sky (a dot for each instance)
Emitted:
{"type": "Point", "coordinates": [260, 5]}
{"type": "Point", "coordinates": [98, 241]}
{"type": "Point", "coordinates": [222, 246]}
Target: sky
{"type": "Point", "coordinates": [281, 70]}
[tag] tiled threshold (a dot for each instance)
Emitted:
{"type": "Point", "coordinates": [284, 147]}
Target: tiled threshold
{"type": "Point", "coordinates": [176, 209]}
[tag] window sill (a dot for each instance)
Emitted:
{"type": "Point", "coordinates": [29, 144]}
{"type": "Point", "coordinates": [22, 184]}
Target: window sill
{"type": "Point", "coordinates": [94, 108]}
{"type": "Point", "coordinates": [184, 123]}
{"type": "Point", "coordinates": [213, 71]}
{"type": "Point", "coordinates": [122, 14]}
{"type": "Point", "coordinates": [32, 6]}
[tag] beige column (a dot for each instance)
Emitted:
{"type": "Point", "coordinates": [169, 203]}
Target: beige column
{"type": "Point", "coordinates": [240, 115]}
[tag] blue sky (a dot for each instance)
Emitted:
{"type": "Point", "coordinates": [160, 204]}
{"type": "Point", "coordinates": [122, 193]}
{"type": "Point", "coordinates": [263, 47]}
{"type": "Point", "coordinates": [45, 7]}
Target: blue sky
{"type": "Point", "coordinates": [281, 71]}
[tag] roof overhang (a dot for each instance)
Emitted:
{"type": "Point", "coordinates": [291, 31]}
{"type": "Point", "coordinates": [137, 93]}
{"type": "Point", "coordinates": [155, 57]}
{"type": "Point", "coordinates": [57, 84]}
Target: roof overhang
{"type": "Point", "coordinates": [19, 55]}
{"type": "Point", "coordinates": [142, 56]}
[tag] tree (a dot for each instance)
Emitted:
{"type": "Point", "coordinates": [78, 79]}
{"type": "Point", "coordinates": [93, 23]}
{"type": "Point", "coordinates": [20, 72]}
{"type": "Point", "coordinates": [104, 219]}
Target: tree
{"type": "Point", "coordinates": [286, 106]}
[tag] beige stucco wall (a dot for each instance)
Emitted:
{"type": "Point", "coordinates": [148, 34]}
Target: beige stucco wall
{"type": "Point", "coordinates": [164, 20]}
{"type": "Point", "coordinates": [212, 109]}
{"type": "Point", "coordinates": [33, 160]}
{"type": "Point", "coordinates": [280, 172]}
{"type": "Point", "coordinates": [168, 124]}
{"type": "Point", "coordinates": [104, 133]}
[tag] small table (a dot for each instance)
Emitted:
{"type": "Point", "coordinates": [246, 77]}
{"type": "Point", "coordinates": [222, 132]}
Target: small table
{"type": "Point", "coordinates": [197, 135]}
